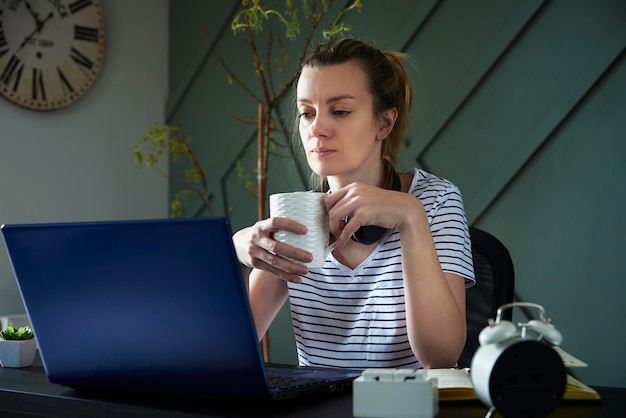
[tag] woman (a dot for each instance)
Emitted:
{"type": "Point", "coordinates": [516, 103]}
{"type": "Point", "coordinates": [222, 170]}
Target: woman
{"type": "Point", "coordinates": [392, 295]}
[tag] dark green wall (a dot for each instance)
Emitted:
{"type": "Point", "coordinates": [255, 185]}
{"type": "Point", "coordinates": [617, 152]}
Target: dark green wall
{"type": "Point", "coordinates": [520, 103]}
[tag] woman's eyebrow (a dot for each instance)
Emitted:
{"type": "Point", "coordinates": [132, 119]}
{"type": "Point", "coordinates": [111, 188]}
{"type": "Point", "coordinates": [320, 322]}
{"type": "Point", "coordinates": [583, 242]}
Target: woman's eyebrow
{"type": "Point", "coordinates": [340, 97]}
{"type": "Point", "coordinates": [330, 99]}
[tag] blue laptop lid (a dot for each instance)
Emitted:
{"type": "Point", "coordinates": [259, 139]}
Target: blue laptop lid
{"type": "Point", "coordinates": [155, 305]}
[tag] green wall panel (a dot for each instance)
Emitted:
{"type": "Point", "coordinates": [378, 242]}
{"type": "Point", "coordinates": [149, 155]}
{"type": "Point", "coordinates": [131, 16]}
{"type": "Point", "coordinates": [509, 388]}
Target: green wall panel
{"type": "Point", "coordinates": [525, 97]}
{"type": "Point", "coordinates": [453, 51]}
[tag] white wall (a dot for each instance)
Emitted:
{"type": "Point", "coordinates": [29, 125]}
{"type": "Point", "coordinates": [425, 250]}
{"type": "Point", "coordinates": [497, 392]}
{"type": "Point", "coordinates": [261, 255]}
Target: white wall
{"type": "Point", "coordinates": [76, 164]}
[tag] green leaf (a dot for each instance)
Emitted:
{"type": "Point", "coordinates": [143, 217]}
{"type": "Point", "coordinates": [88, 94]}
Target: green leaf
{"type": "Point", "coordinates": [22, 333]}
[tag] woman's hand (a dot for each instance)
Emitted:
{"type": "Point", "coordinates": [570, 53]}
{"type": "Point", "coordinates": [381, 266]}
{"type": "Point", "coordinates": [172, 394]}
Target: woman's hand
{"type": "Point", "coordinates": [359, 204]}
{"type": "Point", "coordinates": [257, 248]}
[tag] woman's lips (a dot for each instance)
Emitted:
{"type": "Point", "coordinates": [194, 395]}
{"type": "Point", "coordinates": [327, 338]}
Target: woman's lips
{"type": "Point", "coordinates": [321, 152]}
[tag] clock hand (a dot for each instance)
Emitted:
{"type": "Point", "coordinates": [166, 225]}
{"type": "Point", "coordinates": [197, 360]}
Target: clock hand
{"type": "Point", "coordinates": [37, 29]}
{"type": "Point", "coordinates": [27, 39]}
{"type": "Point", "coordinates": [40, 26]}
{"type": "Point", "coordinates": [33, 13]}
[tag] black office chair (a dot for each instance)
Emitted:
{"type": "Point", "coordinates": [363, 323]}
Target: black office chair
{"type": "Point", "coordinates": [495, 286]}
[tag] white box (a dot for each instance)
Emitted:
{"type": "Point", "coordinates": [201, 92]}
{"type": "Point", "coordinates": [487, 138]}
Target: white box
{"type": "Point", "coordinates": [395, 393]}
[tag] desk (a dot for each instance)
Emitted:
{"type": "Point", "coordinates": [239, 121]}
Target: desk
{"type": "Point", "coordinates": [27, 393]}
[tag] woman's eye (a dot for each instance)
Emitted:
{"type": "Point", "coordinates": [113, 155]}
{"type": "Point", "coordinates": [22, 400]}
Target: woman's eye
{"type": "Point", "coordinates": [304, 115]}
{"type": "Point", "coordinates": [342, 112]}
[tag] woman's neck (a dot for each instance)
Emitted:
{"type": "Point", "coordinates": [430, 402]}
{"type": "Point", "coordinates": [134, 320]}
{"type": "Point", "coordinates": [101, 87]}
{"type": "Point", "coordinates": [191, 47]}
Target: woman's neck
{"type": "Point", "coordinates": [374, 177]}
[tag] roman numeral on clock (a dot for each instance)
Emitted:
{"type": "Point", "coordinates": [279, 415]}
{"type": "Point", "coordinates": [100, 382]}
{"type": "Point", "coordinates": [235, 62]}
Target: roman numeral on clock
{"type": "Point", "coordinates": [64, 81]}
{"type": "Point", "coordinates": [80, 59]}
{"type": "Point", "coordinates": [12, 71]}
{"type": "Point", "coordinates": [83, 33]}
{"type": "Point", "coordinates": [4, 46]}
{"type": "Point", "coordinates": [39, 92]}
{"type": "Point", "coordinates": [79, 5]}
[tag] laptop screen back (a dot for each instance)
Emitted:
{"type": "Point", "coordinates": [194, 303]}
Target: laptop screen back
{"type": "Point", "coordinates": [145, 305]}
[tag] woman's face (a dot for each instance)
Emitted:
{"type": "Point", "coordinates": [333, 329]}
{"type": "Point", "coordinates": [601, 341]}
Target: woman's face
{"type": "Point", "coordinates": [339, 131]}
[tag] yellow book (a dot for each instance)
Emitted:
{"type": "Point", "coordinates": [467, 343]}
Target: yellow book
{"type": "Point", "coordinates": [453, 384]}
{"type": "Point", "coordinates": [576, 390]}
{"type": "Point", "coordinates": [456, 385]}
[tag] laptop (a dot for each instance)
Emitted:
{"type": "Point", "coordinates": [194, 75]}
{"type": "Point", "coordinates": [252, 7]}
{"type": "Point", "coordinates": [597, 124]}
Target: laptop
{"type": "Point", "coordinates": [154, 306]}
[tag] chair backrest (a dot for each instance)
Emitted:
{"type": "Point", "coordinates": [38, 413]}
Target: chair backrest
{"type": "Point", "coordinates": [495, 286]}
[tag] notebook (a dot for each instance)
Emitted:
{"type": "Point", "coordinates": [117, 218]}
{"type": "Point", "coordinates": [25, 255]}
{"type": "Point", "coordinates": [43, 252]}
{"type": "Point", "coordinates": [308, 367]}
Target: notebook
{"type": "Point", "coordinates": [156, 306]}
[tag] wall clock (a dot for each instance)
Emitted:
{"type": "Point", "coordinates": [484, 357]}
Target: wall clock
{"type": "Point", "coordinates": [51, 51]}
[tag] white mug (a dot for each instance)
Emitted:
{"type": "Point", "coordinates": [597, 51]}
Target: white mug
{"type": "Point", "coordinates": [307, 208]}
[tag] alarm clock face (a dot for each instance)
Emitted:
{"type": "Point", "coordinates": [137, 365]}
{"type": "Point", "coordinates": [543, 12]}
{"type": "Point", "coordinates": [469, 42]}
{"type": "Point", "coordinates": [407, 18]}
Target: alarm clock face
{"type": "Point", "coordinates": [519, 377]}
{"type": "Point", "coordinates": [51, 52]}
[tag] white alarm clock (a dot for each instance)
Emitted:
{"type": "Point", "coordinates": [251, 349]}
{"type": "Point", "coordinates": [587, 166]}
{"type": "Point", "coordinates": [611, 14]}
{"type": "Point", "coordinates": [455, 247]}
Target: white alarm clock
{"type": "Point", "coordinates": [516, 371]}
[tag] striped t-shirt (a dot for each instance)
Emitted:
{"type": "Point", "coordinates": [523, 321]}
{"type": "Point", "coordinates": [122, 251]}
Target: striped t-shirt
{"type": "Point", "coordinates": [355, 318]}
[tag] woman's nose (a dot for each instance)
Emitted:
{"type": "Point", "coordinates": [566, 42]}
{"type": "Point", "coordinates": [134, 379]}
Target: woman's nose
{"type": "Point", "coordinates": [320, 126]}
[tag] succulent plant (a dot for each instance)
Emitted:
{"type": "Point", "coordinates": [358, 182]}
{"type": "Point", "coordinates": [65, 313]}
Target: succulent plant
{"type": "Point", "coordinates": [22, 333]}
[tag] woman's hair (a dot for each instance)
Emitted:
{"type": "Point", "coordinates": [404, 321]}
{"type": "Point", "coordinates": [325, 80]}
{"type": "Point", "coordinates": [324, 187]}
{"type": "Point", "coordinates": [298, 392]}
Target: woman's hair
{"type": "Point", "coordinates": [387, 81]}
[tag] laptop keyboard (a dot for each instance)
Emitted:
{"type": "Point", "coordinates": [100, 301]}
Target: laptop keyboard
{"type": "Point", "coordinates": [283, 383]}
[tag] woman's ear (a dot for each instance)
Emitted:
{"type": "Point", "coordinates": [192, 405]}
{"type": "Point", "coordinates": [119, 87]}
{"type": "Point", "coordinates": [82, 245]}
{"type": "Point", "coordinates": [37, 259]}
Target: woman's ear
{"type": "Point", "coordinates": [387, 120]}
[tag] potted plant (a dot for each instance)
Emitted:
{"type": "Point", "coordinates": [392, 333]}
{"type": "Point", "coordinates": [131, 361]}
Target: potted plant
{"type": "Point", "coordinates": [17, 347]}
